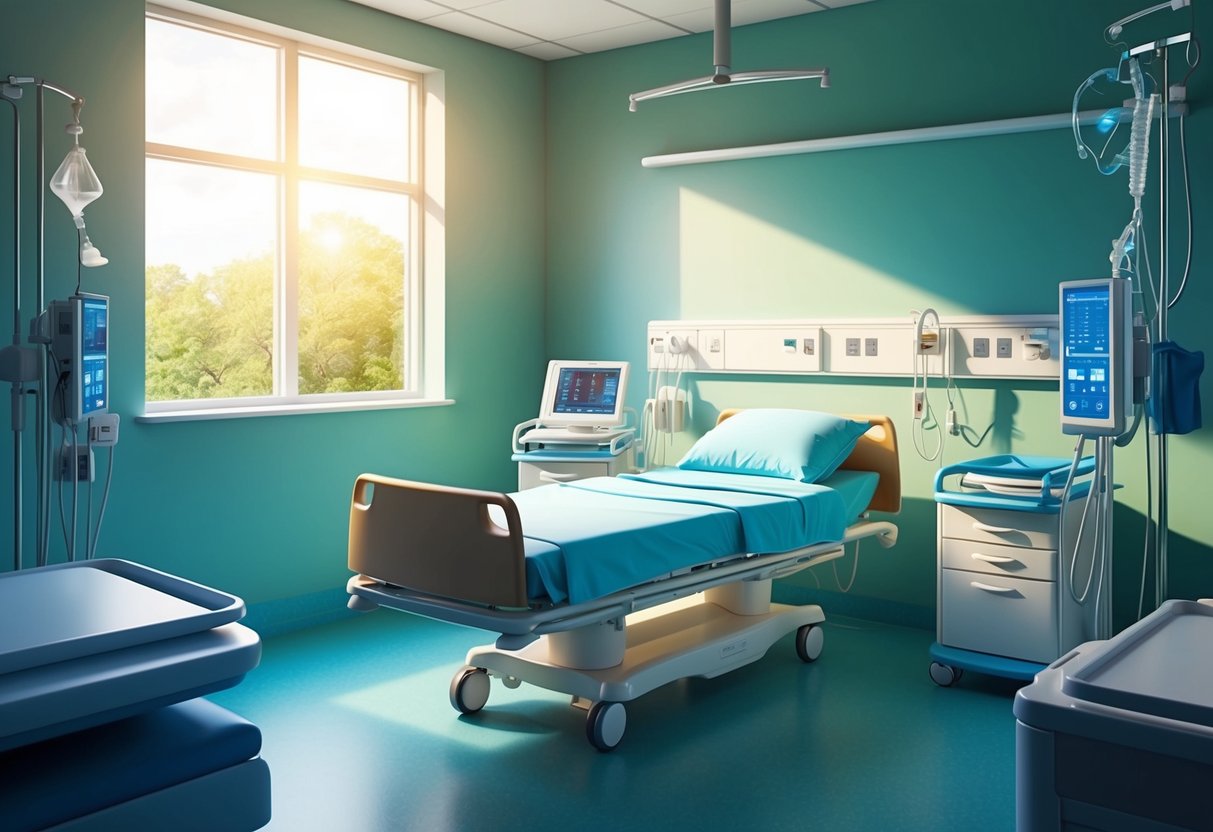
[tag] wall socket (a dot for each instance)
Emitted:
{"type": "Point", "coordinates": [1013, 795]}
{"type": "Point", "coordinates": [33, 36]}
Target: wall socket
{"type": "Point", "coordinates": [871, 346]}
{"type": "Point", "coordinates": [1004, 347]}
{"type": "Point", "coordinates": [852, 346]}
{"type": "Point", "coordinates": [981, 347]}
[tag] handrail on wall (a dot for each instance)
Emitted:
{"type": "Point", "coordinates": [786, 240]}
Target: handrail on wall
{"type": "Point", "coordinates": [1027, 124]}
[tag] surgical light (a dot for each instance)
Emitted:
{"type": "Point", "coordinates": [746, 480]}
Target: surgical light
{"type": "Point", "coordinates": [723, 75]}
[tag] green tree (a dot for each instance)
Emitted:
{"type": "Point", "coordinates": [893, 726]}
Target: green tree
{"type": "Point", "coordinates": [212, 336]}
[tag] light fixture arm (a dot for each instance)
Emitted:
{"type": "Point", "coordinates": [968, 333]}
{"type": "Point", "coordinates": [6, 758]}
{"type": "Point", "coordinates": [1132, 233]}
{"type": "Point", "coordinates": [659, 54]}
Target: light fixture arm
{"type": "Point", "coordinates": [723, 74]}
{"type": "Point", "coordinates": [722, 41]}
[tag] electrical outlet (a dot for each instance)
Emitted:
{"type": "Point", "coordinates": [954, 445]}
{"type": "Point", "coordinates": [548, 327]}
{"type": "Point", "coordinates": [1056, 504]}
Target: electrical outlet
{"type": "Point", "coordinates": [1004, 347]}
{"type": "Point", "coordinates": [871, 346]}
{"type": "Point", "coordinates": [809, 346]}
{"type": "Point", "coordinates": [981, 347]}
{"type": "Point", "coordinates": [852, 346]}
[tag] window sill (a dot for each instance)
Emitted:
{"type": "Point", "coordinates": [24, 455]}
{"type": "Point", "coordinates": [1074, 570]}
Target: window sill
{"type": "Point", "coordinates": [202, 414]}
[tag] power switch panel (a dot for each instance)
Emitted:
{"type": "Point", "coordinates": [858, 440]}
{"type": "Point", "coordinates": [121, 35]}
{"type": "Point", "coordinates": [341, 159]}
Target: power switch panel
{"type": "Point", "coordinates": [852, 346]}
{"type": "Point", "coordinates": [1004, 347]}
{"type": "Point", "coordinates": [871, 346]}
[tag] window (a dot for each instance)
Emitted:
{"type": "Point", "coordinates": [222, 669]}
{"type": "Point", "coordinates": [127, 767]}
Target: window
{"type": "Point", "coordinates": [284, 223]}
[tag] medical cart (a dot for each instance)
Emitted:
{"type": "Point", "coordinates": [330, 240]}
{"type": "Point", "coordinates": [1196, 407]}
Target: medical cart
{"type": "Point", "coordinates": [546, 457]}
{"type": "Point", "coordinates": [1005, 604]}
{"type": "Point", "coordinates": [1117, 735]}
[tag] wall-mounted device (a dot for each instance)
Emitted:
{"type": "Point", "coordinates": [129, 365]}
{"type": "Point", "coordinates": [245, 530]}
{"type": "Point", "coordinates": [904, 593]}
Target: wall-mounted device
{"type": "Point", "coordinates": [1096, 357]}
{"type": "Point", "coordinates": [80, 343]}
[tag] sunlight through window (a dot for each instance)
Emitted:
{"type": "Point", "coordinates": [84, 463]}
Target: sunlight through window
{"type": "Point", "coordinates": [282, 220]}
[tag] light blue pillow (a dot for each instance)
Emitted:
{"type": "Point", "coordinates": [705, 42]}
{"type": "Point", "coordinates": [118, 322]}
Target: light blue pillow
{"type": "Point", "coordinates": [803, 445]}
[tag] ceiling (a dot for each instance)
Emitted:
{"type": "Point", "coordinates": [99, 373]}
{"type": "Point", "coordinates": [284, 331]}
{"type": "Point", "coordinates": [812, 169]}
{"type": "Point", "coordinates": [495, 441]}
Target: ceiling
{"type": "Point", "coordinates": [552, 29]}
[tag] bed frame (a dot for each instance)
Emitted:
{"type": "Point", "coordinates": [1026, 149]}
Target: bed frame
{"type": "Point", "coordinates": [434, 551]}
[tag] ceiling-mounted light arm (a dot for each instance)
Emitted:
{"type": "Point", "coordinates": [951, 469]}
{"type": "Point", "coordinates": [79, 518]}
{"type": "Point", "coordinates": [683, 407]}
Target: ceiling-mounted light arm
{"type": "Point", "coordinates": [722, 70]}
{"type": "Point", "coordinates": [722, 42]}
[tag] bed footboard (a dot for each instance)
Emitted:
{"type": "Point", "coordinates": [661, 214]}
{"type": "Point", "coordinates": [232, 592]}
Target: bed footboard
{"type": "Point", "coordinates": [438, 540]}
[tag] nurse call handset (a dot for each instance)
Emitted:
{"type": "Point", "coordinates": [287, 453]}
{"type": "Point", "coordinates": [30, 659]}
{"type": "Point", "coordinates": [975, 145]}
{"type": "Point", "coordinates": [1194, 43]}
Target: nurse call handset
{"type": "Point", "coordinates": [1096, 357]}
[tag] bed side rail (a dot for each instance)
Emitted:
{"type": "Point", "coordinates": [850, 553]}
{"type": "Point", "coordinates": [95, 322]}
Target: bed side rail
{"type": "Point", "coordinates": [437, 540]}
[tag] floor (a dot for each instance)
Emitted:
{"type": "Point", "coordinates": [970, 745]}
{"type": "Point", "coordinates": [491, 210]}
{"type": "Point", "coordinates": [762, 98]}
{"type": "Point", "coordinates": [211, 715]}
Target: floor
{"type": "Point", "coordinates": [360, 735]}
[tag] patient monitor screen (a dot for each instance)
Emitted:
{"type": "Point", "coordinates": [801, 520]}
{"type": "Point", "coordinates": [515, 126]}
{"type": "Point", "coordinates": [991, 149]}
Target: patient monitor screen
{"type": "Point", "coordinates": [587, 394]}
{"type": "Point", "coordinates": [586, 391]}
{"type": "Point", "coordinates": [94, 355]}
{"type": "Point", "coordinates": [1094, 336]}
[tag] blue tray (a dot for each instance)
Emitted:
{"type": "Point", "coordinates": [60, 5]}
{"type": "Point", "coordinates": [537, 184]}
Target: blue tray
{"type": "Point", "coordinates": [69, 610]}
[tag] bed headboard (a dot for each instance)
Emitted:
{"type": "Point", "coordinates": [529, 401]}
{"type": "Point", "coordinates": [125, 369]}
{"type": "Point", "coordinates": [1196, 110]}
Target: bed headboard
{"type": "Point", "coordinates": [875, 451]}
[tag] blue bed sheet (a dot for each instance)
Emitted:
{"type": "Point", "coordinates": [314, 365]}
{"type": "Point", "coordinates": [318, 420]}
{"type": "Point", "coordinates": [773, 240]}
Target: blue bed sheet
{"type": "Point", "coordinates": [593, 537]}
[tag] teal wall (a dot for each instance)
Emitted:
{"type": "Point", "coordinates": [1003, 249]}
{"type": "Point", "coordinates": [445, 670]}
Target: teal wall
{"type": "Point", "coordinates": [979, 226]}
{"type": "Point", "coordinates": [259, 506]}
{"type": "Point", "coordinates": [560, 244]}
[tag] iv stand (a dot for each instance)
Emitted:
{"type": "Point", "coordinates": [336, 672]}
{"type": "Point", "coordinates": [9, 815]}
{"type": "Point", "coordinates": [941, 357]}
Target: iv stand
{"type": "Point", "coordinates": [1160, 49]}
{"type": "Point", "coordinates": [22, 366]}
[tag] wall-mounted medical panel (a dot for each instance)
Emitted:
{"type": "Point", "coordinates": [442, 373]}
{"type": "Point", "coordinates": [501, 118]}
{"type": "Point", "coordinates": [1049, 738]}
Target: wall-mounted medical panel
{"type": "Point", "coordinates": [1007, 346]}
{"type": "Point", "coordinates": [772, 349]}
{"type": "Point", "coordinates": [1005, 352]}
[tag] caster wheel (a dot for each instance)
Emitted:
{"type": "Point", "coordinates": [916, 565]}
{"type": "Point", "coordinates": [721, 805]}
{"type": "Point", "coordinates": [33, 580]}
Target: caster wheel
{"type": "Point", "coordinates": [469, 690]}
{"type": "Point", "coordinates": [944, 675]}
{"type": "Point", "coordinates": [605, 724]}
{"type": "Point", "coordinates": [809, 640]}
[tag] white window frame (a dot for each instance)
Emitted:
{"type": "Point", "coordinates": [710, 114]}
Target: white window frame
{"type": "Point", "coordinates": [424, 296]}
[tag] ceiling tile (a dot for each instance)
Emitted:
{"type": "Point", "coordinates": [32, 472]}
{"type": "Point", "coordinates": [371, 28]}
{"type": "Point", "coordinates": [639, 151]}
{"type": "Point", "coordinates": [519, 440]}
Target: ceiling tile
{"type": "Point", "coordinates": [756, 11]}
{"type": "Point", "coordinates": [698, 21]}
{"type": "Point", "coordinates": [412, 9]}
{"type": "Point", "coordinates": [633, 33]}
{"type": "Point", "coordinates": [555, 21]}
{"type": "Point", "coordinates": [665, 8]}
{"type": "Point", "coordinates": [547, 51]}
{"type": "Point", "coordinates": [462, 23]}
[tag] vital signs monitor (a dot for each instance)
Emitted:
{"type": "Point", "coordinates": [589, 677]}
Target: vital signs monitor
{"type": "Point", "coordinates": [1096, 357]}
{"type": "Point", "coordinates": [584, 395]}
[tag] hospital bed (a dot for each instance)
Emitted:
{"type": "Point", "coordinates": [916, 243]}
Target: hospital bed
{"type": "Point", "coordinates": [607, 588]}
{"type": "Point", "coordinates": [102, 666]}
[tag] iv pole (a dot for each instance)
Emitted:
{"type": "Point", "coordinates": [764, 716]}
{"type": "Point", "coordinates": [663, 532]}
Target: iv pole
{"type": "Point", "coordinates": [23, 365]}
{"type": "Point", "coordinates": [1161, 531]}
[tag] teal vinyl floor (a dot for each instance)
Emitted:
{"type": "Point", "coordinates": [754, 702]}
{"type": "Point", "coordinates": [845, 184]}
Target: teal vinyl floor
{"type": "Point", "coordinates": [359, 735]}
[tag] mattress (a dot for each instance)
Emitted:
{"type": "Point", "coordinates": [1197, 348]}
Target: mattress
{"type": "Point", "coordinates": [590, 538]}
{"type": "Point", "coordinates": [68, 777]}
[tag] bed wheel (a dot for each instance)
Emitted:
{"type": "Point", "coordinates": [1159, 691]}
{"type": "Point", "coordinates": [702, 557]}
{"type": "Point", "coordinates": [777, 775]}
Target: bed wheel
{"type": "Point", "coordinates": [469, 690]}
{"type": "Point", "coordinates": [945, 675]}
{"type": "Point", "coordinates": [809, 639]}
{"type": "Point", "coordinates": [605, 723]}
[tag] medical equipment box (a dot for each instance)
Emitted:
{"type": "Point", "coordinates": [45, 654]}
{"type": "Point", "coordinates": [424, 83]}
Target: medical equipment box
{"type": "Point", "coordinates": [1118, 734]}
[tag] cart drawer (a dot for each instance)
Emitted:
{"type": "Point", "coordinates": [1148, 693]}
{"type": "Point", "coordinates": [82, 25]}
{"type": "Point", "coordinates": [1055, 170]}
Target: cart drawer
{"type": "Point", "coordinates": [1010, 528]}
{"type": "Point", "coordinates": [1012, 617]}
{"type": "Point", "coordinates": [1010, 561]}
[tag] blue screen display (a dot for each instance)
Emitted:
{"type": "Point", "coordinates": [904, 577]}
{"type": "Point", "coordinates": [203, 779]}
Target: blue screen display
{"type": "Point", "coordinates": [586, 390]}
{"type": "Point", "coordinates": [94, 356]}
{"type": "Point", "coordinates": [1086, 359]}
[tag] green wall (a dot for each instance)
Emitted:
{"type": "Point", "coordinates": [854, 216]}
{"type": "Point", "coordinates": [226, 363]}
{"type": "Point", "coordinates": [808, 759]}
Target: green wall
{"type": "Point", "coordinates": [259, 506]}
{"type": "Point", "coordinates": [978, 226]}
{"type": "Point", "coordinates": [560, 244]}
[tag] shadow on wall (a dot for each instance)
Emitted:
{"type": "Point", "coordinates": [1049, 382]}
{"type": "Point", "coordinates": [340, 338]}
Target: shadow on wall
{"type": "Point", "coordinates": [1189, 567]}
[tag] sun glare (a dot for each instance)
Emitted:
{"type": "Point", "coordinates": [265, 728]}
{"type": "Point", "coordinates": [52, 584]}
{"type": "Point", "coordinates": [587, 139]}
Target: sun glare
{"type": "Point", "coordinates": [331, 239]}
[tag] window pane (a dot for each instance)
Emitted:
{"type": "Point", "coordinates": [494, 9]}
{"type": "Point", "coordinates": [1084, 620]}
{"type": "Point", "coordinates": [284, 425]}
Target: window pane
{"type": "Point", "coordinates": [211, 92]}
{"type": "Point", "coordinates": [352, 247]}
{"type": "Point", "coordinates": [352, 120]}
{"type": "Point", "coordinates": [211, 246]}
